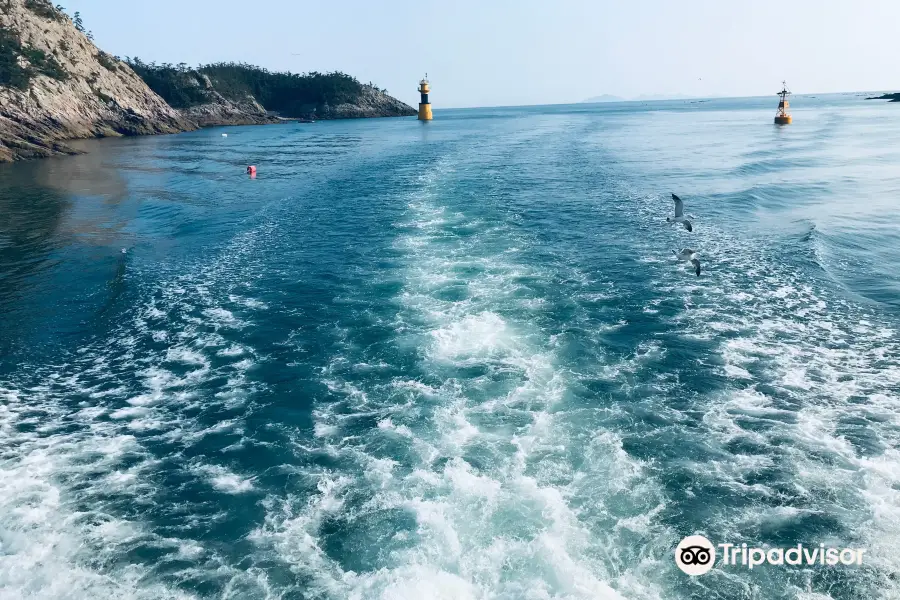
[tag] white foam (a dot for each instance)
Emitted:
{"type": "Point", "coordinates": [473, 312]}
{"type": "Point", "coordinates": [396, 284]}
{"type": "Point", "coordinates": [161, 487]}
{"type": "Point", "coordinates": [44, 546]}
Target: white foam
{"type": "Point", "coordinates": [224, 480]}
{"type": "Point", "coordinates": [131, 412]}
{"type": "Point", "coordinates": [388, 424]}
{"type": "Point", "coordinates": [233, 350]}
{"type": "Point", "coordinates": [248, 302]}
{"type": "Point", "coordinates": [223, 318]}
{"type": "Point", "coordinates": [64, 483]}
{"type": "Point", "coordinates": [50, 546]}
{"type": "Point", "coordinates": [736, 372]}
{"type": "Point", "coordinates": [425, 583]}
{"type": "Point", "coordinates": [243, 365]}
{"type": "Point", "coordinates": [474, 336]}
{"type": "Point", "coordinates": [459, 473]}
{"type": "Point", "coordinates": [324, 430]}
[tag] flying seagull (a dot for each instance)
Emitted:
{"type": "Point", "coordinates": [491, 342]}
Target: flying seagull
{"type": "Point", "coordinates": [690, 256]}
{"type": "Point", "coordinates": [679, 214]}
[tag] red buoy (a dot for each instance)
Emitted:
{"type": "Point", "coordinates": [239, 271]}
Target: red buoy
{"type": "Point", "coordinates": [251, 170]}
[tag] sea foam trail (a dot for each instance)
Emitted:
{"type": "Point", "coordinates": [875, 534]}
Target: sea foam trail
{"type": "Point", "coordinates": [798, 404]}
{"type": "Point", "coordinates": [473, 482]}
{"type": "Point", "coordinates": [86, 444]}
{"type": "Point", "coordinates": [126, 468]}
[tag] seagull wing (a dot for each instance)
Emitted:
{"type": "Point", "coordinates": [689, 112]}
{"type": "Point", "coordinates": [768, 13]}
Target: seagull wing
{"type": "Point", "coordinates": [679, 206]}
{"type": "Point", "coordinates": [687, 225]}
{"type": "Point", "coordinates": [696, 263]}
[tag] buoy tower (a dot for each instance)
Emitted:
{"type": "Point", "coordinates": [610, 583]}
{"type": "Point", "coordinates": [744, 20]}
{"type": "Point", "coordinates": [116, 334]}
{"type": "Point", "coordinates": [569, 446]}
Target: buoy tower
{"type": "Point", "coordinates": [783, 117]}
{"type": "Point", "coordinates": [424, 105]}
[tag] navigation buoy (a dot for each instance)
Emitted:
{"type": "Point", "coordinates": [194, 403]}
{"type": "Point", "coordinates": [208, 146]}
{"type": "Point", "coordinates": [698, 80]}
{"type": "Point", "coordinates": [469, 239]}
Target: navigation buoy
{"type": "Point", "coordinates": [783, 117]}
{"type": "Point", "coordinates": [424, 105]}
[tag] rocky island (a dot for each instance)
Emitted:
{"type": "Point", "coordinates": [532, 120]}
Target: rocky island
{"type": "Point", "coordinates": [238, 94]}
{"type": "Point", "coordinates": [56, 85]}
{"type": "Point", "coordinates": [895, 97]}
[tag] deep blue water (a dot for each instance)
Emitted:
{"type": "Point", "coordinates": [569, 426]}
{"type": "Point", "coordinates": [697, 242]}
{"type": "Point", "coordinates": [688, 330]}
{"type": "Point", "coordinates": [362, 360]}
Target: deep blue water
{"type": "Point", "coordinates": [454, 360]}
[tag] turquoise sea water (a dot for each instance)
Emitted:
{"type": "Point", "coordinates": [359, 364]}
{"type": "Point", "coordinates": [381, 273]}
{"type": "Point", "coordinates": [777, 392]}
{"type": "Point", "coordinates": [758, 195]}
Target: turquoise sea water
{"type": "Point", "coordinates": [455, 360]}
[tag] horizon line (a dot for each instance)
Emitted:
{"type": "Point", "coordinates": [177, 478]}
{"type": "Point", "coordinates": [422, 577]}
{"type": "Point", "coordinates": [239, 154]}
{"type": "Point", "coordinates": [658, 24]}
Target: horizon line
{"type": "Point", "coordinates": [625, 101]}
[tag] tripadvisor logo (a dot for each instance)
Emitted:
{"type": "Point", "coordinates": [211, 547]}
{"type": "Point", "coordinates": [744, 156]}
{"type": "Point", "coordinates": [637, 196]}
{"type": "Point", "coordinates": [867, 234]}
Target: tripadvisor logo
{"type": "Point", "coordinates": [696, 555]}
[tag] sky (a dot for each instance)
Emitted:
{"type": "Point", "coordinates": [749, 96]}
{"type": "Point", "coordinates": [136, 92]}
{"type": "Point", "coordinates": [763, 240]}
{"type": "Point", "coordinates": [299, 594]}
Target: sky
{"type": "Point", "coordinates": [503, 53]}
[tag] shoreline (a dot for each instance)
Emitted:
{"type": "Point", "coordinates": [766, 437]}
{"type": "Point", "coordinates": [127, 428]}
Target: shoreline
{"type": "Point", "coordinates": [59, 147]}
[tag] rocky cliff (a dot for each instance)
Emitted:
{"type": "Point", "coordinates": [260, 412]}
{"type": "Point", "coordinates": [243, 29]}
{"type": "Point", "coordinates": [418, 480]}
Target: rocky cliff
{"type": "Point", "coordinates": [56, 85]}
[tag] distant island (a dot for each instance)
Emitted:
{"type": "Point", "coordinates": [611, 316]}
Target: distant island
{"type": "Point", "coordinates": [654, 97]}
{"type": "Point", "coordinates": [641, 98]}
{"type": "Point", "coordinates": [892, 97]}
{"type": "Point", "coordinates": [603, 98]}
{"type": "Point", "coordinates": [56, 85]}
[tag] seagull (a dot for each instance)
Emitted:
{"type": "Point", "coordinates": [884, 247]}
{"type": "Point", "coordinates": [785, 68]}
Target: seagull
{"type": "Point", "coordinates": [690, 256]}
{"type": "Point", "coordinates": [679, 214]}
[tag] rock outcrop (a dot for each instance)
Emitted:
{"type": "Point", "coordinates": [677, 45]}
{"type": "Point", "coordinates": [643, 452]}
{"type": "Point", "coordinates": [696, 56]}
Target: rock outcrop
{"type": "Point", "coordinates": [895, 97]}
{"type": "Point", "coordinates": [59, 86]}
{"type": "Point", "coordinates": [216, 109]}
{"type": "Point", "coordinates": [371, 102]}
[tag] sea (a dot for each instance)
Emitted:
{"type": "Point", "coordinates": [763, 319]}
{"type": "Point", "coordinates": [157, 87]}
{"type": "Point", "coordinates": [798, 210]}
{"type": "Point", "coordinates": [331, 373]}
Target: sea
{"type": "Point", "coordinates": [455, 360]}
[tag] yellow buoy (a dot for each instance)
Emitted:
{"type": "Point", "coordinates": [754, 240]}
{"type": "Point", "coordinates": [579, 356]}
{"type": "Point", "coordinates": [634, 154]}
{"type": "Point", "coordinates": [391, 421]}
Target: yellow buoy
{"type": "Point", "coordinates": [424, 105]}
{"type": "Point", "coordinates": [783, 117]}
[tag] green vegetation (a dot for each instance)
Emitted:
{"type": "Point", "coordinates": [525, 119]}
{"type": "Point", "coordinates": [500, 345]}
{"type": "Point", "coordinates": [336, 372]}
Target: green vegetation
{"type": "Point", "coordinates": [14, 74]}
{"type": "Point", "coordinates": [108, 62]}
{"type": "Point", "coordinates": [11, 73]}
{"type": "Point", "coordinates": [43, 8]}
{"type": "Point", "coordinates": [178, 86]}
{"type": "Point", "coordinates": [289, 94]}
{"type": "Point", "coordinates": [79, 24]}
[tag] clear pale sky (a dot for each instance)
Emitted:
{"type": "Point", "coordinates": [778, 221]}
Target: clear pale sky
{"type": "Point", "coordinates": [489, 53]}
